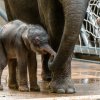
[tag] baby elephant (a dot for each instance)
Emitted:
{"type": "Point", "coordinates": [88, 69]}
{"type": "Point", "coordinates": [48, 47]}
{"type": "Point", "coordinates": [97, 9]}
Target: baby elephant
{"type": "Point", "coordinates": [19, 43]}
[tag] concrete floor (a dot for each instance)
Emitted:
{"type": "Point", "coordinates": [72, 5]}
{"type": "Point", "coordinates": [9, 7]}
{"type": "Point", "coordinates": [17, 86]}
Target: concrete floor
{"type": "Point", "coordinates": [85, 75]}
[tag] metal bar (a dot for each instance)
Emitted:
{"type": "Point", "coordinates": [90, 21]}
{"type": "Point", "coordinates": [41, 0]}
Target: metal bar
{"type": "Point", "coordinates": [85, 49]}
{"type": "Point", "coordinates": [84, 36]}
{"type": "Point", "coordinates": [83, 60]}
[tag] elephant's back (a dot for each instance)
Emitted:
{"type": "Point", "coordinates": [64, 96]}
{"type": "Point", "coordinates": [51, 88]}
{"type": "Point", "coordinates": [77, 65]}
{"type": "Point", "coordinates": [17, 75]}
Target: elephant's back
{"type": "Point", "coordinates": [26, 10]}
{"type": "Point", "coordinates": [9, 30]}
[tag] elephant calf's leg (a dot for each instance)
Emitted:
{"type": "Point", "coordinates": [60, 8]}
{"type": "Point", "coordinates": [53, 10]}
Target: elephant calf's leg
{"type": "Point", "coordinates": [3, 62]}
{"type": "Point", "coordinates": [12, 82]}
{"type": "Point", "coordinates": [22, 76]}
{"type": "Point", "coordinates": [32, 67]}
{"type": "Point", "coordinates": [22, 69]}
{"type": "Point", "coordinates": [46, 74]}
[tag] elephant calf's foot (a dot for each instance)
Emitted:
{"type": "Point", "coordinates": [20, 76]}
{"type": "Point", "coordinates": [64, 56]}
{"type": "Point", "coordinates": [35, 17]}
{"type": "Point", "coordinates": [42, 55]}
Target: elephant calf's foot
{"type": "Point", "coordinates": [23, 88]}
{"type": "Point", "coordinates": [62, 85]}
{"type": "Point", "coordinates": [1, 87]}
{"type": "Point", "coordinates": [46, 76]}
{"type": "Point", "coordinates": [35, 88]}
{"type": "Point", "coordinates": [13, 86]}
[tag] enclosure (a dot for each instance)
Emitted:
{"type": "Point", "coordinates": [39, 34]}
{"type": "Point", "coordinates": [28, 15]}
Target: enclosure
{"type": "Point", "coordinates": [85, 64]}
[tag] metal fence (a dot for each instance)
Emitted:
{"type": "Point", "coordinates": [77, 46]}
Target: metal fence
{"type": "Point", "coordinates": [89, 38]}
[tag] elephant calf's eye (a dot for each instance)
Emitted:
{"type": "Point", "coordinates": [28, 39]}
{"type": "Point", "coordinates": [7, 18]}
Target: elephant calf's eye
{"type": "Point", "coordinates": [36, 41]}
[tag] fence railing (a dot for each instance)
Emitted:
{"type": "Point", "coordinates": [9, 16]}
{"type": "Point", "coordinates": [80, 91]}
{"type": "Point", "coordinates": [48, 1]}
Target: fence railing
{"type": "Point", "coordinates": [89, 38]}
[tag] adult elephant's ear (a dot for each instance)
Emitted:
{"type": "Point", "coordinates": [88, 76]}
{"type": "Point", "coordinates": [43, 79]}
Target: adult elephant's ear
{"type": "Point", "coordinates": [25, 39]}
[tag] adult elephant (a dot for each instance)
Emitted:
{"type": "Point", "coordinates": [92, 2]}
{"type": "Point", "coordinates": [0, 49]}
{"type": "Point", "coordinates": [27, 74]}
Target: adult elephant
{"type": "Point", "coordinates": [62, 19]}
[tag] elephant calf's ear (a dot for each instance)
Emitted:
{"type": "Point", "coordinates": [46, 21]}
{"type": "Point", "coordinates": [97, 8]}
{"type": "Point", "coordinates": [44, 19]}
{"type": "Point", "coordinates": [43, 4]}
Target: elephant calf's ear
{"type": "Point", "coordinates": [25, 39]}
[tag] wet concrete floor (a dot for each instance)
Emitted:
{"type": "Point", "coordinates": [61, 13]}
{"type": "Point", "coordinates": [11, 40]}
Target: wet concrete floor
{"type": "Point", "coordinates": [85, 75]}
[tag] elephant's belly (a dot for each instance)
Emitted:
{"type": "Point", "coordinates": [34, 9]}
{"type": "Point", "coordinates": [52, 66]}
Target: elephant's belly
{"type": "Point", "coordinates": [25, 10]}
{"type": "Point", "coordinates": [52, 16]}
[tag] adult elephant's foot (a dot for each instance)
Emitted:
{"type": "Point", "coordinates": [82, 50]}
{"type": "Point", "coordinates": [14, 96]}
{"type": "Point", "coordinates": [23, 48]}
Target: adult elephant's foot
{"type": "Point", "coordinates": [62, 85]}
{"type": "Point", "coordinates": [1, 87]}
{"type": "Point", "coordinates": [46, 76]}
{"type": "Point", "coordinates": [23, 88]}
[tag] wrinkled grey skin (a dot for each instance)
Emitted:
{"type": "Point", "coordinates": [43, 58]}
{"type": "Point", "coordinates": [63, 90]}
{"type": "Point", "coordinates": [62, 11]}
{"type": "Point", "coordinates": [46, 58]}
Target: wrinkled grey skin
{"type": "Point", "coordinates": [19, 43]}
{"type": "Point", "coordinates": [62, 19]}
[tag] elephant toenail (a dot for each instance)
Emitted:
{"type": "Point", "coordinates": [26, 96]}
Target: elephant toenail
{"type": "Point", "coordinates": [70, 90]}
{"type": "Point", "coordinates": [61, 91]}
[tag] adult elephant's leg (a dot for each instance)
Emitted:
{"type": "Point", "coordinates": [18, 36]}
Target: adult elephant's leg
{"type": "Point", "coordinates": [46, 73]}
{"type": "Point", "coordinates": [32, 68]}
{"type": "Point", "coordinates": [61, 81]}
{"type": "Point", "coordinates": [12, 82]}
{"type": "Point", "coordinates": [74, 11]}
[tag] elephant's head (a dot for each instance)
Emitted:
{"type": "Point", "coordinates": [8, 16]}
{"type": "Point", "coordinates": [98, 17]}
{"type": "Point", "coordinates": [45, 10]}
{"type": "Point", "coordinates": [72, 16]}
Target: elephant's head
{"type": "Point", "coordinates": [38, 40]}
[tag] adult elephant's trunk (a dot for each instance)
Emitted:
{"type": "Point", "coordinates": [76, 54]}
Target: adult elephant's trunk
{"type": "Point", "coordinates": [74, 12]}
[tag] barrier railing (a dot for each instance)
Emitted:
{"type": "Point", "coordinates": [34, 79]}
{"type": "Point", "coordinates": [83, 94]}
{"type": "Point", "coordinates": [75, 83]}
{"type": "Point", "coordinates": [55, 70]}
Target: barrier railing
{"type": "Point", "coordinates": [89, 38]}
